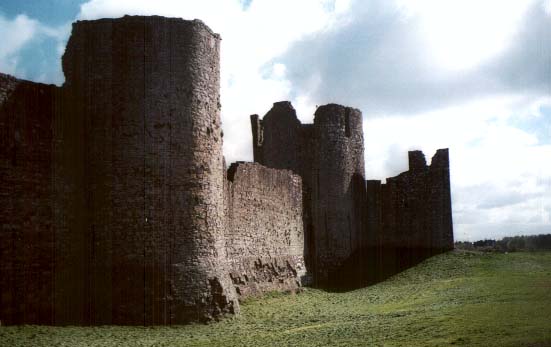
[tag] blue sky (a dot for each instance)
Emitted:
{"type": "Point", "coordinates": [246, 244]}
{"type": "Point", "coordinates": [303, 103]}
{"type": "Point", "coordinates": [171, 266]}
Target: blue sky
{"type": "Point", "coordinates": [37, 31]}
{"type": "Point", "coordinates": [471, 75]}
{"type": "Point", "coordinates": [49, 12]}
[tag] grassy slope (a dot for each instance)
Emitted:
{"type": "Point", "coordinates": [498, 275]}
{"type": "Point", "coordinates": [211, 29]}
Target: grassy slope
{"type": "Point", "coordinates": [459, 298]}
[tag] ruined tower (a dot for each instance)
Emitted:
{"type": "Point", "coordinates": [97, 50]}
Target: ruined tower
{"type": "Point", "coordinates": [329, 155]}
{"type": "Point", "coordinates": [356, 231]}
{"type": "Point", "coordinates": [145, 91]}
{"type": "Point", "coordinates": [339, 165]}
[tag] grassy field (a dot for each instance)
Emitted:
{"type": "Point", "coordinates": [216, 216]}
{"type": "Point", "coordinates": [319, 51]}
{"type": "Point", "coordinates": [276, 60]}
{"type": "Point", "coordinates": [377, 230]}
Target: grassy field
{"type": "Point", "coordinates": [459, 298]}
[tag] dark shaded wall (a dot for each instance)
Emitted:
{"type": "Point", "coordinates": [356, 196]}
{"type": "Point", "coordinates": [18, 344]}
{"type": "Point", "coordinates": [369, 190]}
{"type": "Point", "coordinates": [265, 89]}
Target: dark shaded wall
{"type": "Point", "coordinates": [441, 216]}
{"type": "Point", "coordinates": [409, 217]}
{"type": "Point", "coordinates": [27, 237]}
{"type": "Point", "coordinates": [339, 164]}
{"type": "Point", "coordinates": [264, 233]}
{"type": "Point", "coordinates": [328, 155]}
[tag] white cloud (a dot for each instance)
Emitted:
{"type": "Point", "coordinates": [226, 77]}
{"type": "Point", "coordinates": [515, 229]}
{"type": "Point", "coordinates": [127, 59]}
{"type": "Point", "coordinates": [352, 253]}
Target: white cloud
{"type": "Point", "coordinates": [19, 33]}
{"type": "Point", "coordinates": [462, 34]}
{"type": "Point", "coordinates": [500, 173]}
{"type": "Point", "coordinates": [16, 34]}
{"type": "Point", "coordinates": [440, 73]}
{"type": "Point", "coordinates": [547, 7]}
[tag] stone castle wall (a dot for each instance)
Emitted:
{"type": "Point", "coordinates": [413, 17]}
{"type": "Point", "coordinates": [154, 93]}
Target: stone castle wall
{"type": "Point", "coordinates": [114, 192]}
{"type": "Point", "coordinates": [410, 216]}
{"type": "Point", "coordinates": [328, 155]}
{"type": "Point", "coordinates": [264, 234]}
{"type": "Point", "coordinates": [146, 92]}
{"type": "Point", "coordinates": [356, 231]}
{"type": "Point", "coordinates": [338, 162]}
{"type": "Point", "coordinates": [26, 201]}
{"type": "Point", "coordinates": [117, 208]}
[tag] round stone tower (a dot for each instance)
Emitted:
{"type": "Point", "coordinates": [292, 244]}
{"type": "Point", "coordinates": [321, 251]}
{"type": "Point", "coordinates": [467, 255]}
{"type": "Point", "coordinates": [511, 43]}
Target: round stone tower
{"type": "Point", "coordinates": [337, 186]}
{"type": "Point", "coordinates": [144, 96]}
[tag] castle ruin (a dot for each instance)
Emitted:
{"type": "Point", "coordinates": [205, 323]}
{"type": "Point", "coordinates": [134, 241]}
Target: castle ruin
{"type": "Point", "coordinates": [116, 206]}
{"type": "Point", "coordinates": [351, 224]}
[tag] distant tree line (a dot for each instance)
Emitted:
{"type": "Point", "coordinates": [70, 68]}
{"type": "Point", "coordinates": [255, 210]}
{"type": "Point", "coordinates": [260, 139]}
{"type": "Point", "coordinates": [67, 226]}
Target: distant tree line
{"type": "Point", "coordinates": [532, 243]}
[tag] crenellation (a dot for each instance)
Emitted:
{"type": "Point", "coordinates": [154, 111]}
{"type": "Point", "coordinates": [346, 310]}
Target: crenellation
{"type": "Point", "coordinates": [258, 137]}
{"type": "Point", "coordinates": [417, 161]}
{"type": "Point", "coordinates": [412, 213]}
{"type": "Point", "coordinates": [441, 217]}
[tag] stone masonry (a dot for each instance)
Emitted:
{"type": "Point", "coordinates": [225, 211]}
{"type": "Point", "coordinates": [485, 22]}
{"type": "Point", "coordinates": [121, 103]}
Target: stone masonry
{"type": "Point", "coordinates": [328, 155]}
{"type": "Point", "coordinates": [409, 217]}
{"type": "Point", "coordinates": [264, 235]}
{"type": "Point", "coordinates": [357, 231]}
{"type": "Point", "coordinates": [116, 206]}
{"type": "Point", "coordinates": [26, 201]}
{"type": "Point", "coordinates": [131, 179]}
{"type": "Point", "coordinates": [146, 91]}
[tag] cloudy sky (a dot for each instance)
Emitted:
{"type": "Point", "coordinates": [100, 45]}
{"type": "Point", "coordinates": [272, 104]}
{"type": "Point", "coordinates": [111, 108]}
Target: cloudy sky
{"type": "Point", "coordinates": [470, 75]}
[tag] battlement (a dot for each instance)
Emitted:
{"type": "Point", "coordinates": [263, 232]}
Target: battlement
{"type": "Point", "coordinates": [441, 160]}
{"type": "Point", "coordinates": [417, 161]}
{"type": "Point", "coordinates": [410, 215]}
{"type": "Point", "coordinates": [282, 108]}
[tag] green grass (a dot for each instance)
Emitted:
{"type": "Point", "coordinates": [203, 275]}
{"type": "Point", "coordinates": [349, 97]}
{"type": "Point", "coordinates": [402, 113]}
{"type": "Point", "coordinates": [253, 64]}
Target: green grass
{"type": "Point", "coordinates": [459, 298]}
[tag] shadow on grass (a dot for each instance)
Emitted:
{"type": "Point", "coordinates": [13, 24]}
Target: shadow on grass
{"type": "Point", "coordinates": [370, 266]}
